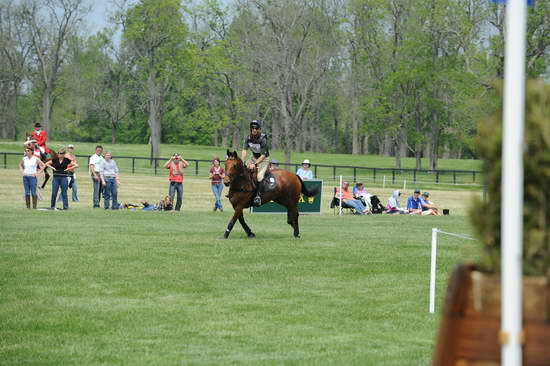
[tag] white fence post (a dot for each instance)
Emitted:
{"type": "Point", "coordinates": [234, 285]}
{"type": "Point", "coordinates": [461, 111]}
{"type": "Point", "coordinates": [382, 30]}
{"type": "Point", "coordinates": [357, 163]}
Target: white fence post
{"type": "Point", "coordinates": [432, 270]}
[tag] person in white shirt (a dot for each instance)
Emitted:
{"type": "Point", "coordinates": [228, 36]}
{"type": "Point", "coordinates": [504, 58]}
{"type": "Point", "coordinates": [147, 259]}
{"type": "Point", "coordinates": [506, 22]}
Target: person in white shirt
{"type": "Point", "coordinates": [304, 172]}
{"type": "Point", "coordinates": [28, 168]}
{"type": "Point", "coordinates": [95, 163]}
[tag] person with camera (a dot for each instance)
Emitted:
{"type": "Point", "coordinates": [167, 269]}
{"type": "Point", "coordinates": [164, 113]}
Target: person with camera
{"type": "Point", "coordinates": [175, 165]}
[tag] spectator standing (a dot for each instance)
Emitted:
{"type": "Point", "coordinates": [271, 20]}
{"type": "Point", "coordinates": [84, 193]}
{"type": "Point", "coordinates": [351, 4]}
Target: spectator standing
{"type": "Point", "coordinates": [61, 166]}
{"type": "Point", "coordinates": [345, 196]}
{"type": "Point", "coordinates": [95, 167]}
{"type": "Point", "coordinates": [110, 181]}
{"type": "Point", "coordinates": [217, 173]}
{"type": "Point", "coordinates": [175, 165]}
{"type": "Point", "coordinates": [72, 174]}
{"type": "Point", "coordinates": [413, 203]}
{"type": "Point", "coordinates": [28, 167]}
{"type": "Point", "coordinates": [304, 172]}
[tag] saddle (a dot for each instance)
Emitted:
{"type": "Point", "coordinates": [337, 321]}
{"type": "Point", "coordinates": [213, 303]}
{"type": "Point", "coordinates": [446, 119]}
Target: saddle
{"type": "Point", "coordinates": [269, 183]}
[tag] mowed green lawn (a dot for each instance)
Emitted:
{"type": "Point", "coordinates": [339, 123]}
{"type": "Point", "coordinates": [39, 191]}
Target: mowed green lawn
{"type": "Point", "coordinates": [92, 287]}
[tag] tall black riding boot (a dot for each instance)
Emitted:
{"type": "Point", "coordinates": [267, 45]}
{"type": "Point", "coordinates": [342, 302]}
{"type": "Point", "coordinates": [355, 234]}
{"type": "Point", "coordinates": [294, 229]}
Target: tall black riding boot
{"type": "Point", "coordinates": [28, 201]}
{"type": "Point", "coordinates": [34, 199]}
{"type": "Point", "coordinates": [258, 199]}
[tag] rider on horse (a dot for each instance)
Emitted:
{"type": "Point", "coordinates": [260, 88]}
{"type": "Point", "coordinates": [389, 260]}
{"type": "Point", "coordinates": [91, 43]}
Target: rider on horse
{"type": "Point", "coordinates": [257, 143]}
{"type": "Point", "coordinates": [41, 137]}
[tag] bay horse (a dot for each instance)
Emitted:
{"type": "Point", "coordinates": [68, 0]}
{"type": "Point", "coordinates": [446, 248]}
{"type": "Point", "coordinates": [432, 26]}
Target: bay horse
{"type": "Point", "coordinates": [242, 189]}
{"type": "Point", "coordinates": [43, 158]}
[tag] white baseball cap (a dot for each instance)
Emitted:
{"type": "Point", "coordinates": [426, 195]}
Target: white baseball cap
{"type": "Point", "coordinates": [306, 162]}
{"type": "Point", "coordinates": [71, 146]}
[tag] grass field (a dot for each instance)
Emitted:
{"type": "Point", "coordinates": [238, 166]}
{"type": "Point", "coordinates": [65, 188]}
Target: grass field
{"type": "Point", "coordinates": [90, 287]}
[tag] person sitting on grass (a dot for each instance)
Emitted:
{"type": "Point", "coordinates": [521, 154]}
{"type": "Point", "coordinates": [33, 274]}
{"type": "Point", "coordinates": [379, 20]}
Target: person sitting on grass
{"type": "Point", "coordinates": [428, 208]}
{"type": "Point", "coordinates": [393, 206]}
{"type": "Point", "coordinates": [346, 197]}
{"type": "Point", "coordinates": [413, 203]}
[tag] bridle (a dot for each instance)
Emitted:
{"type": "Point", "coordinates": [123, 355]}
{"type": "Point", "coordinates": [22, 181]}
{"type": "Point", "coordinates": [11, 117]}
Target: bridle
{"type": "Point", "coordinates": [239, 172]}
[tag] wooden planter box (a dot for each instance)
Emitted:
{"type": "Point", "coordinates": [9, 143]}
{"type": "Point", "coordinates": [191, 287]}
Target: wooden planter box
{"type": "Point", "coordinates": [470, 324]}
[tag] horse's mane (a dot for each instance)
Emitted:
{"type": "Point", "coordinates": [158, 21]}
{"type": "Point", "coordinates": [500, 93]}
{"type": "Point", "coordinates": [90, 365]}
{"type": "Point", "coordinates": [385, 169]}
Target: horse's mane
{"type": "Point", "coordinates": [242, 170]}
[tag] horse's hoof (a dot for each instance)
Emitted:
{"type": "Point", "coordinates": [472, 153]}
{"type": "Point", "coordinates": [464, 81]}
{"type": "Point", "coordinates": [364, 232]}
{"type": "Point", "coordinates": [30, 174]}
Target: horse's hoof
{"type": "Point", "coordinates": [251, 235]}
{"type": "Point", "coordinates": [297, 236]}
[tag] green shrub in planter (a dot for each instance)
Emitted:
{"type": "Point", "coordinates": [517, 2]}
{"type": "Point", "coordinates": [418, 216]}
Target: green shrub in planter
{"type": "Point", "coordinates": [485, 215]}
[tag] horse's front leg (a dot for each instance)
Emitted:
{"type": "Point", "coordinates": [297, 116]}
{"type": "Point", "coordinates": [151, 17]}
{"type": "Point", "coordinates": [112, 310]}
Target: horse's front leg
{"type": "Point", "coordinates": [238, 212]}
{"type": "Point", "coordinates": [46, 178]}
{"type": "Point", "coordinates": [247, 230]}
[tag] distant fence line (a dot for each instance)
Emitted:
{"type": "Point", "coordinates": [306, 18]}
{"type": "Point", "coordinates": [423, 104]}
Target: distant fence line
{"type": "Point", "coordinates": [388, 176]}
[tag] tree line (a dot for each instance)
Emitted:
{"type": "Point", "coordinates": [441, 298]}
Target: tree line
{"type": "Point", "coordinates": [390, 77]}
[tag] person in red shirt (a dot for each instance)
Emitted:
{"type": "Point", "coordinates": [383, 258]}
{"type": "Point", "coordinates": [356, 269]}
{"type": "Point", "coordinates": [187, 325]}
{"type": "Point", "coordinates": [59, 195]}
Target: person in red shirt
{"type": "Point", "coordinates": [176, 165]}
{"type": "Point", "coordinates": [217, 173]}
{"type": "Point", "coordinates": [41, 137]}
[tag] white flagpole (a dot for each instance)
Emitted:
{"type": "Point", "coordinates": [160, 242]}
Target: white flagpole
{"type": "Point", "coordinates": [341, 198]}
{"type": "Point", "coordinates": [512, 182]}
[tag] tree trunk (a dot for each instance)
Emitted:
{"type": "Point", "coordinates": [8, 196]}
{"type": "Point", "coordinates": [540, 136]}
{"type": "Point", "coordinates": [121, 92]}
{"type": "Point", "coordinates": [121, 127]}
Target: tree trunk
{"type": "Point", "coordinates": [113, 133]}
{"type": "Point", "coordinates": [46, 108]}
{"type": "Point", "coordinates": [434, 145]}
{"type": "Point", "coordinates": [237, 137]}
{"type": "Point", "coordinates": [365, 145]}
{"type": "Point", "coordinates": [355, 138]}
{"type": "Point", "coordinates": [397, 154]}
{"type": "Point", "coordinates": [386, 145]}
{"type": "Point", "coordinates": [155, 116]}
{"type": "Point", "coordinates": [402, 150]}
{"type": "Point", "coordinates": [418, 155]}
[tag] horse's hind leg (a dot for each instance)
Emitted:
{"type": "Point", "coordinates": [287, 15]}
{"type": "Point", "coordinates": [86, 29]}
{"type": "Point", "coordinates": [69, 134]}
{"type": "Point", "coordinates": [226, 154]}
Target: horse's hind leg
{"type": "Point", "coordinates": [292, 219]}
{"type": "Point", "coordinates": [247, 230]}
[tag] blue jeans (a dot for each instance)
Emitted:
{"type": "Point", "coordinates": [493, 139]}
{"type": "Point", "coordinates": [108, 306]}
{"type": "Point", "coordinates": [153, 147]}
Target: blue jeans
{"type": "Point", "coordinates": [110, 194]}
{"type": "Point", "coordinates": [73, 188]}
{"type": "Point", "coordinates": [29, 182]}
{"type": "Point", "coordinates": [357, 205]}
{"type": "Point", "coordinates": [60, 181]}
{"type": "Point", "coordinates": [176, 187]}
{"type": "Point", "coordinates": [217, 189]}
{"type": "Point", "coordinates": [98, 190]}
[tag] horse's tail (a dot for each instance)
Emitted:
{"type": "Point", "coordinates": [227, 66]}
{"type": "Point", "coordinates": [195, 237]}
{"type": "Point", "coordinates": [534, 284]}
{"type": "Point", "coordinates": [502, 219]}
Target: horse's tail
{"type": "Point", "coordinates": [308, 192]}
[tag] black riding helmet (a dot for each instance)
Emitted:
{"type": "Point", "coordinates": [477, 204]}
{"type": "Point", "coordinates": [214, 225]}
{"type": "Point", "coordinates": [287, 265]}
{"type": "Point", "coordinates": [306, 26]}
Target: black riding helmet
{"type": "Point", "coordinates": [255, 124]}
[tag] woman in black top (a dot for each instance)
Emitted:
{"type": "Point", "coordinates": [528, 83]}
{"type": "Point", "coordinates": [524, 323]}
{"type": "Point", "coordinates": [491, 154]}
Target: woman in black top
{"type": "Point", "coordinates": [61, 167]}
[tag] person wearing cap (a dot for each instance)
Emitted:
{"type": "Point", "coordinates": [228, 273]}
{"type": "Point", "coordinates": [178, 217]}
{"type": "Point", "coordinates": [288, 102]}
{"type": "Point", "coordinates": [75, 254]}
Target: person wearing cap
{"type": "Point", "coordinates": [257, 143]}
{"type": "Point", "coordinates": [361, 193]}
{"type": "Point", "coordinates": [216, 175]}
{"type": "Point", "coordinates": [413, 203]}
{"type": "Point", "coordinates": [343, 194]}
{"type": "Point", "coordinates": [41, 137]}
{"type": "Point", "coordinates": [428, 208]}
{"type": "Point", "coordinates": [304, 172]}
{"type": "Point", "coordinates": [274, 164]}
{"type": "Point", "coordinates": [175, 166]}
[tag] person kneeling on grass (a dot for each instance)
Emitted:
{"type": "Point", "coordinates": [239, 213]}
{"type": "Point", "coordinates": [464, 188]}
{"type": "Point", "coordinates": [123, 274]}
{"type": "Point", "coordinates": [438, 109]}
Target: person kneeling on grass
{"type": "Point", "coordinates": [428, 208]}
{"type": "Point", "coordinates": [345, 195]}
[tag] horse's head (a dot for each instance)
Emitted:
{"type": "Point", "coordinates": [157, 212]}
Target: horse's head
{"type": "Point", "coordinates": [233, 167]}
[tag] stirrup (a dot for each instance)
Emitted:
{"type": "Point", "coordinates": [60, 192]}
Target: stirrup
{"type": "Point", "coordinates": [257, 201]}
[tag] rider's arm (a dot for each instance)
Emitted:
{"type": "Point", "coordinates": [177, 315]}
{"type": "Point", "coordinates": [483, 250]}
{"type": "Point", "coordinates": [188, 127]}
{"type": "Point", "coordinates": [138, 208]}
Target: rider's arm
{"type": "Point", "coordinates": [260, 159]}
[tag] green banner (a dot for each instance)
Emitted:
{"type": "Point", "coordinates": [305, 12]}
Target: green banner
{"type": "Point", "coordinates": [306, 205]}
